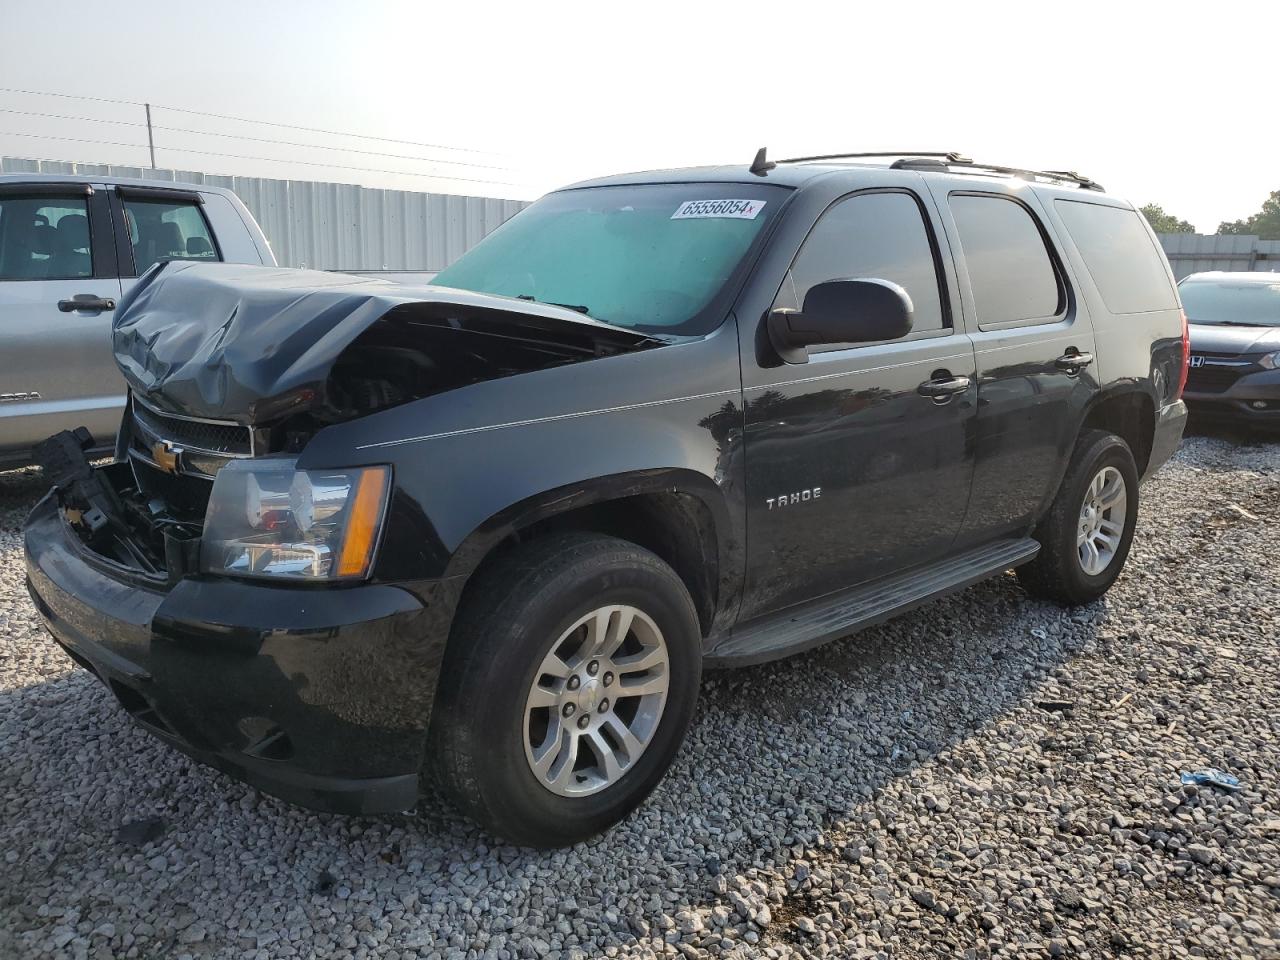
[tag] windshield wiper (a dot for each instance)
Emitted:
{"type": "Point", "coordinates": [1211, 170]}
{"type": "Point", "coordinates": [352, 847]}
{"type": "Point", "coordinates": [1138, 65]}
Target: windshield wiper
{"type": "Point", "coordinates": [551, 303]}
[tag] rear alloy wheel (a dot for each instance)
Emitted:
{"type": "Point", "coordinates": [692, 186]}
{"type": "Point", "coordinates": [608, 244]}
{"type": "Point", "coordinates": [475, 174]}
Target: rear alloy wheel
{"type": "Point", "coordinates": [1102, 515]}
{"type": "Point", "coordinates": [567, 688]}
{"type": "Point", "coordinates": [1086, 534]}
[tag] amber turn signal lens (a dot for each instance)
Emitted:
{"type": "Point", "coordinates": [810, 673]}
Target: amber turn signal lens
{"type": "Point", "coordinates": [363, 523]}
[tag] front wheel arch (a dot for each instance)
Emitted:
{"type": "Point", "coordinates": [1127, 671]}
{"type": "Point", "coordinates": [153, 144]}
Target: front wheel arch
{"type": "Point", "coordinates": [678, 514]}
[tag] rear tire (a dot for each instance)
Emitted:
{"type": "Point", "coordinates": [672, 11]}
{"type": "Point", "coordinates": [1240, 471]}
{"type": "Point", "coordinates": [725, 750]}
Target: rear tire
{"type": "Point", "coordinates": [1086, 535]}
{"type": "Point", "coordinates": [568, 686]}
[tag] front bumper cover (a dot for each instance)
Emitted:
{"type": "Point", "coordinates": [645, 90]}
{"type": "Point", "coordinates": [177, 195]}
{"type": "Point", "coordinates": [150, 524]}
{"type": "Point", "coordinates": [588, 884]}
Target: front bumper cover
{"type": "Point", "coordinates": [320, 696]}
{"type": "Point", "coordinates": [1237, 403]}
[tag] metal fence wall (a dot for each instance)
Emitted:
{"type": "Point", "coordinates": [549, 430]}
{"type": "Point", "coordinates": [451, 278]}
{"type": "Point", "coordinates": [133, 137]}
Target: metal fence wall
{"type": "Point", "coordinates": [1190, 253]}
{"type": "Point", "coordinates": [335, 226]}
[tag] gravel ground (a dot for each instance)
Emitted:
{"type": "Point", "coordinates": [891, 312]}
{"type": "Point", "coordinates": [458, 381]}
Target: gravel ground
{"type": "Point", "coordinates": [986, 776]}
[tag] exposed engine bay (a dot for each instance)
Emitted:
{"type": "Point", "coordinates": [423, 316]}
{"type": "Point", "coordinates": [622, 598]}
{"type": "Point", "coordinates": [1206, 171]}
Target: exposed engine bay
{"type": "Point", "coordinates": [419, 350]}
{"type": "Point", "coordinates": [227, 364]}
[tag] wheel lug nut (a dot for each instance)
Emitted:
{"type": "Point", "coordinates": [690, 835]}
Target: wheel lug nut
{"type": "Point", "coordinates": [593, 668]}
{"type": "Point", "coordinates": [604, 706]}
{"type": "Point", "coordinates": [608, 679]}
{"type": "Point", "coordinates": [583, 721]}
{"type": "Point", "coordinates": [569, 709]}
{"type": "Point", "coordinates": [574, 682]}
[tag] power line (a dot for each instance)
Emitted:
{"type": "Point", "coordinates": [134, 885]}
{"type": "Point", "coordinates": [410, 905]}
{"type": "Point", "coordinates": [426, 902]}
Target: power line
{"type": "Point", "coordinates": [69, 96]}
{"type": "Point", "coordinates": [236, 156]}
{"type": "Point", "coordinates": [337, 166]}
{"type": "Point", "coordinates": [225, 116]}
{"type": "Point", "coordinates": [333, 133]}
{"type": "Point", "coordinates": [239, 156]}
{"type": "Point", "coordinates": [60, 116]}
{"type": "Point", "coordinates": [238, 136]}
{"type": "Point", "coordinates": [50, 136]}
{"type": "Point", "coordinates": [73, 163]}
{"type": "Point", "coordinates": [321, 146]}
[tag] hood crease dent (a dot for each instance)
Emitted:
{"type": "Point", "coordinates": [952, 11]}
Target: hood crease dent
{"type": "Point", "coordinates": [245, 343]}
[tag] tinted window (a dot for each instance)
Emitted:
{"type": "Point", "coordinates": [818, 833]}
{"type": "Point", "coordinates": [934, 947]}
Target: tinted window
{"type": "Point", "coordinates": [1125, 263]}
{"type": "Point", "coordinates": [660, 257]}
{"type": "Point", "coordinates": [44, 238]}
{"type": "Point", "coordinates": [872, 235]}
{"type": "Point", "coordinates": [1252, 302]}
{"type": "Point", "coordinates": [1009, 267]}
{"type": "Point", "coordinates": [167, 231]}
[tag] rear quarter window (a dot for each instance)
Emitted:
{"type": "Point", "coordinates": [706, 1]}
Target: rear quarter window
{"type": "Point", "coordinates": [1126, 265]}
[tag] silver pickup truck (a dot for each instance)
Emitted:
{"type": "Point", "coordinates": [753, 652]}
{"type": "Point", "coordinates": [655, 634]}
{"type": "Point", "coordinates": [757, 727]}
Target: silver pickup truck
{"type": "Point", "coordinates": [70, 248]}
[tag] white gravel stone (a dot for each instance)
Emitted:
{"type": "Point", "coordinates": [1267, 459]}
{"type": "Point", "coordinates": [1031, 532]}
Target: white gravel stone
{"type": "Point", "coordinates": [901, 793]}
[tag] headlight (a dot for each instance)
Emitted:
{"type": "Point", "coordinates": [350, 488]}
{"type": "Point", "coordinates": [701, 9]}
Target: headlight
{"type": "Point", "coordinates": [266, 518]}
{"type": "Point", "coordinates": [1271, 361]}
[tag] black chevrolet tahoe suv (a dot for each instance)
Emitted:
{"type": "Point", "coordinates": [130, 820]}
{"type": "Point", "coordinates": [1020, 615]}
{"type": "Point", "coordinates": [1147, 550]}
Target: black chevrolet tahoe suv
{"type": "Point", "coordinates": [357, 536]}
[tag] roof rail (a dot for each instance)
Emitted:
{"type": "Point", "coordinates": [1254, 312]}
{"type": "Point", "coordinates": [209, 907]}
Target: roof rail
{"type": "Point", "coordinates": [924, 160]}
{"type": "Point", "coordinates": [951, 157]}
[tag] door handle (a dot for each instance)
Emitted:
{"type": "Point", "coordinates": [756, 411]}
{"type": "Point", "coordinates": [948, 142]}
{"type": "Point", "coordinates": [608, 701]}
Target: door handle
{"type": "Point", "coordinates": [942, 389]}
{"type": "Point", "coordinates": [1073, 363]}
{"type": "Point", "coordinates": [86, 301]}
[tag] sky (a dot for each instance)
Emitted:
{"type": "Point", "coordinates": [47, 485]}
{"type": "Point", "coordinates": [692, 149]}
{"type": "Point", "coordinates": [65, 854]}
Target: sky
{"type": "Point", "coordinates": [1160, 102]}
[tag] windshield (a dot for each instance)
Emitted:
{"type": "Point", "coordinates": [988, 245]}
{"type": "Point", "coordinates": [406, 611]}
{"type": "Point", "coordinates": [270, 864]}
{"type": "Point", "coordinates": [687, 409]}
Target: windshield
{"type": "Point", "coordinates": [1251, 302]}
{"type": "Point", "coordinates": [662, 258]}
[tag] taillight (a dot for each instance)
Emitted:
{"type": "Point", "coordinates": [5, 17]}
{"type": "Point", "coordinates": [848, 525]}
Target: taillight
{"type": "Point", "coordinates": [1186, 357]}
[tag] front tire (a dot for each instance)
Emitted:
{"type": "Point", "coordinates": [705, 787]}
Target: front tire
{"type": "Point", "coordinates": [1086, 535]}
{"type": "Point", "coordinates": [568, 687]}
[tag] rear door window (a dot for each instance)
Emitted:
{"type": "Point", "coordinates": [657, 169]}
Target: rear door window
{"type": "Point", "coordinates": [1010, 271]}
{"type": "Point", "coordinates": [871, 236]}
{"type": "Point", "coordinates": [167, 230]}
{"type": "Point", "coordinates": [1126, 265]}
{"type": "Point", "coordinates": [45, 238]}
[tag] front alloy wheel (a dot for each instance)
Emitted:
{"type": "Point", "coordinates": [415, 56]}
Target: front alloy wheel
{"type": "Point", "coordinates": [568, 684]}
{"type": "Point", "coordinates": [596, 701]}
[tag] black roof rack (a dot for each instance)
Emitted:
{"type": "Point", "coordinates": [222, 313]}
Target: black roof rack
{"type": "Point", "coordinates": [951, 157]}
{"type": "Point", "coordinates": [926, 160]}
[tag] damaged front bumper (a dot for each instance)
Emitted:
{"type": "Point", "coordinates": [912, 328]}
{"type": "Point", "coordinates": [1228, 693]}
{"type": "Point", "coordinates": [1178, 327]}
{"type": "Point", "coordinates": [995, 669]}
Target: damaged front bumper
{"type": "Point", "coordinates": [320, 696]}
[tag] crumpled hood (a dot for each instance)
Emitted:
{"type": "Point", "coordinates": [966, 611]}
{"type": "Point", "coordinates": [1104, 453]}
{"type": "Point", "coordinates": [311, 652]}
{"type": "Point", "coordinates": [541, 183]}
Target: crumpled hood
{"type": "Point", "coordinates": [1220, 338]}
{"type": "Point", "coordinates": [245, 343]}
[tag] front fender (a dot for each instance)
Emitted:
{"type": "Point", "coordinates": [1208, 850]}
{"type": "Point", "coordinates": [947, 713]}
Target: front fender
{"type": "Point", "coordinates": [474, 463]}
{"type": "Point", "coordinates": [729, 548]}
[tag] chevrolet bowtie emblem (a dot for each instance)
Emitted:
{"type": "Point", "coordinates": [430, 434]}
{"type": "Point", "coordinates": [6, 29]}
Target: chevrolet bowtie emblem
{"type": "Point", "coordinates": [166, 455]}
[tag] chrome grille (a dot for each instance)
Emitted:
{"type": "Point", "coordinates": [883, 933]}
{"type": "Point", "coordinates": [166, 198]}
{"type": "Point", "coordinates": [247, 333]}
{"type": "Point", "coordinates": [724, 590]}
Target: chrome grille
{"type": "Point", "coordinates": [183, 445]}
{"type": "Point", "coordinates": [228, 439]}
{"type": "Point", "coordinates": [1216, 374]}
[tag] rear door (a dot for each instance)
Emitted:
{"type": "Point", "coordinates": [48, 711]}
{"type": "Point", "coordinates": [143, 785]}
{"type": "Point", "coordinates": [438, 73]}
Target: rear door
{"type": "Point", "coordinates": [1033, 346]}
{"type": "Point", "coordinates": [59, 285]}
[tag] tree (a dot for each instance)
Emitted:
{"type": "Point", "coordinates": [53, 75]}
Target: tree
{"type": "Point", "coordinates": [1265, 223]}
{"type": "Point", "coordinates": [1162, 222]}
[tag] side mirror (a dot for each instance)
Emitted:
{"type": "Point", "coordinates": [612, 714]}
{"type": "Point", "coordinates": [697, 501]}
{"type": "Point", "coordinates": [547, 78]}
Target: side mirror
{"type": "Point", "coordinates": [841, 311]}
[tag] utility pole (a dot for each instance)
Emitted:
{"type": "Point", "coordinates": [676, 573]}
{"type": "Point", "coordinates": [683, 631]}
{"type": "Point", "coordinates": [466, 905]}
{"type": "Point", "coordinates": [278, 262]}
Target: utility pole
{"type": "Point", "coordinates": [151, 140]}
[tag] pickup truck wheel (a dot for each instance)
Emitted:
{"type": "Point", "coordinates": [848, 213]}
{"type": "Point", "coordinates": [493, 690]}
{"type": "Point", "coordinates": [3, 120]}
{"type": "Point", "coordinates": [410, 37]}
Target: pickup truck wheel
{"type": "Point", "coordinates": [1085, 537]}
{"type": "Point", "coordinates": [568, 686]}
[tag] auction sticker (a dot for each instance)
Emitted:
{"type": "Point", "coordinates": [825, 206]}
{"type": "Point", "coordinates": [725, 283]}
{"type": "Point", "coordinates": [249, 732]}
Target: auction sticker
{"type": "Point", "coordinates": [733, 209]}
